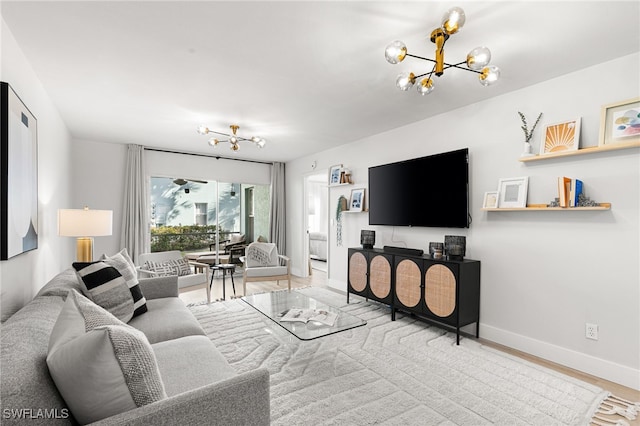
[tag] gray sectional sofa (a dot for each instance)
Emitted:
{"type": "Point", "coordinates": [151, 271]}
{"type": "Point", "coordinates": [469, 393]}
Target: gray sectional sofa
{"type": "Point", "coordinates": [200, 385]}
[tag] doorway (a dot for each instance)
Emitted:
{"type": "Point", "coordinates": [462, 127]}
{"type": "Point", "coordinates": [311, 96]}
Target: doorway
{"type": "Point", "coordinates": [316, 221]}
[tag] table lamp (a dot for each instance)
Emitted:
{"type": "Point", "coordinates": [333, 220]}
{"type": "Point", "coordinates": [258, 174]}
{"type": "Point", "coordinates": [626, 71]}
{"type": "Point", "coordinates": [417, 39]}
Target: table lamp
{"type": "Point", "coordinates": [84, 224]}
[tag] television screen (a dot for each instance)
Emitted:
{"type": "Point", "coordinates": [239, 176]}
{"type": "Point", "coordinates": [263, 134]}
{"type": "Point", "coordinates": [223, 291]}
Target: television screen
{"type": "Point", "coordinates": [429, 191]}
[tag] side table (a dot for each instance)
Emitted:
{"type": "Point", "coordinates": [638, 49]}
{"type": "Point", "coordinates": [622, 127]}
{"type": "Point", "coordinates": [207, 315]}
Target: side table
{"type": "Point", "coordinates": [229, 268]}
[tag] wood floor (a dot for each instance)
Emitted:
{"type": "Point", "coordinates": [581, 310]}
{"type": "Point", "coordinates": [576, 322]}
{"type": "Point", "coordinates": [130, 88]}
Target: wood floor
{"type": "Point", "coordinates": [318, 279]}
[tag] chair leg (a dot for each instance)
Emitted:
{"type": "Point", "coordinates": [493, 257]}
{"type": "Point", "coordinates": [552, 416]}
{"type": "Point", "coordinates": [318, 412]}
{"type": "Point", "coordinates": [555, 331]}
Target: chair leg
{"type": "Point", "coordinates": [289, 283]}
{"type": "Point", "coordinates": [244, 286]}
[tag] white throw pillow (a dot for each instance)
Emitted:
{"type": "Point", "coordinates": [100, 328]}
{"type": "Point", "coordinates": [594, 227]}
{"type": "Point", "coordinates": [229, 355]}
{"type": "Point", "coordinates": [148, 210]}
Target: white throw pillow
{"type": "Point", "coordinates": [100, 365]}
{"type": "Point", "coordinates": [262, 254]}
{"type": "Point", "coordinates": [165, 268]}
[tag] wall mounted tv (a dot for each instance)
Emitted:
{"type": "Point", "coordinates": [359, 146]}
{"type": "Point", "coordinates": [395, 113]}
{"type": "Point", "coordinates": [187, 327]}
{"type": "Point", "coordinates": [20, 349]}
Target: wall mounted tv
{"type": "Point", "coordinates": [430, 191]}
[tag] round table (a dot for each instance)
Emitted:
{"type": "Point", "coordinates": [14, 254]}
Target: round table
{"type": "Point", "coordinates": [226, 268]}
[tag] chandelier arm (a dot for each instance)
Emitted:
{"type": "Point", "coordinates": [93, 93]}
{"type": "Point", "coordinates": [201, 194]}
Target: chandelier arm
{"type": "Point", "coordinates": [462, 68]}
{"type": "Point", "coordinates": [219, 133]}
{"type": "Point", "coordinates": [421, 57]}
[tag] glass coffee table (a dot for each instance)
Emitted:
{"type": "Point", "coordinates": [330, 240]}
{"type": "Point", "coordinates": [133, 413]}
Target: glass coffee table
{"type": "Point", "coordinates": [275, 304]}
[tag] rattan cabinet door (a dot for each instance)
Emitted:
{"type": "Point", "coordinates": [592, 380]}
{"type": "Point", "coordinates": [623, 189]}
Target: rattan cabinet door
{"type": "Point", "coordinates": [440, 290]}
{"type": "Point", "coordinates": [357, 273]}
{"type": "Point", "coordinates": [408, 282]}
{"type": "Point", "coordinates": [380, 277]}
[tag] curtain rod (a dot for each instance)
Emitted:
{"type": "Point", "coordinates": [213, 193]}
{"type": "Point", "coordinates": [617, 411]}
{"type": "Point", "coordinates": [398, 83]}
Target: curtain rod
{"type": "Point", "coordinates": [217, 157]}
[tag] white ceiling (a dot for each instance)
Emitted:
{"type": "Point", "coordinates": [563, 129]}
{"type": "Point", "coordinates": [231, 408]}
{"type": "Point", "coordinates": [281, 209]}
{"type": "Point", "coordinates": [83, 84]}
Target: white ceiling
{"type": "Point", "coordinates": [306, 76]}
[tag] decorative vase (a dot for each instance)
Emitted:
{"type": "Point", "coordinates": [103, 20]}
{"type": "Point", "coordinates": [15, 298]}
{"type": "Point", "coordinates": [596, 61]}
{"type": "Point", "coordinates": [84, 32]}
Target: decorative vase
{"type": "Point", "coordinates": [367, 239]}
{"type": "Point", "coordinates": [527, 150]}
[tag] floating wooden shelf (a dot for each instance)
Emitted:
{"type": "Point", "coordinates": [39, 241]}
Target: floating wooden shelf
{"type": "Point", "coordinates": [590, 150]}
{"type": "Point", "coordinates": [340, 184]}
{"type": "Point", "coordinates": [542, 207]}
{"type": "Point", "coordinates": [352, 211]}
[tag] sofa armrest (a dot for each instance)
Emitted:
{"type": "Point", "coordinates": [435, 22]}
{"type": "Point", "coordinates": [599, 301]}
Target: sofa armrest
{"type": "Point", "coordinates": [158, 287]}
{"type": "Point", "coordinates": [240, 400]}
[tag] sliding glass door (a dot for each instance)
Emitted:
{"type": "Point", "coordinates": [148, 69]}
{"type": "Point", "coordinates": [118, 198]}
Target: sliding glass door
{"type": "Point", "coordinates": [190, 214]}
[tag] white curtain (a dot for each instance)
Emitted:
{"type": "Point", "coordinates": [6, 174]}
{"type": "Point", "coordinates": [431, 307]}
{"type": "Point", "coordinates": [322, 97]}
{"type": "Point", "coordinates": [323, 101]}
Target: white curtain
{"type": "Point", "coordinates": [278, 218]}
{"type": "Point", "coordinates": [135, 212]}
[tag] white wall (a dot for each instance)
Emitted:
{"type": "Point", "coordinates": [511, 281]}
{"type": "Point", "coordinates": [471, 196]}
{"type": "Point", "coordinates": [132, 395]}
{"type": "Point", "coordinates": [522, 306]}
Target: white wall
{"type": "Point", "coordinates": [22, 276]}
{"type": "Point", "coordinates": [544, 274]}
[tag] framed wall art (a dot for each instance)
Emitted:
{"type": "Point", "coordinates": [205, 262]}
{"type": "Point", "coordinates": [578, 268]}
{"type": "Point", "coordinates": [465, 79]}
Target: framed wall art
{"type": "Point", "coordinates": [620, 123]}
{"type": "Point", "coordinates": [19, 176]}
{"type": "Point", "coordinates": [560, 137]}
{"type": "Point", "coordinates": [356, 202]}
{"type": "Point", "coordinates": [490, 200]}
{"type": "Point", "coordinates": [512, 192]}
{"type": "Point", "coordinates": [334, 174]}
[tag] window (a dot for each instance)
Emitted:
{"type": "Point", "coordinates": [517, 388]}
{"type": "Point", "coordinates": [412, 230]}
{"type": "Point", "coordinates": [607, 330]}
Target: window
{"type": "Point", "coordinates": [187, 215]}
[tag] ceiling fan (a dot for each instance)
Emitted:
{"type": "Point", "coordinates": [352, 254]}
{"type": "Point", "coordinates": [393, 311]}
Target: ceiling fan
{"type": "Point", "coordinates": [181, 181]}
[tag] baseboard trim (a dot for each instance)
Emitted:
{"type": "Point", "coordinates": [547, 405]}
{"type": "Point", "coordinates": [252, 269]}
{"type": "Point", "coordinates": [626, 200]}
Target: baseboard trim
{"type": "Point", "coordinates": [598, 367]}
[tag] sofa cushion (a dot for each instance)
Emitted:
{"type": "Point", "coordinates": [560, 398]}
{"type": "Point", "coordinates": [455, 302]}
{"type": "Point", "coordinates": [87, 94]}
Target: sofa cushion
{"type": "Point", "coordinates": [61, 284]}
{"type": "Point", "coordinates": [26, 382]}
{"type": "Point", "coordinates": [123, 263]}
{"type": "Point", "coordinates": [176, 365]}
{"type": "Point", "coordinates": [100, 365]}
{"type": "Point", "coordinates": [179, 267]}
{"type": "Point", "coordinates": [167, 318]}
{"type": "Point", "coordinates": [104, 285]}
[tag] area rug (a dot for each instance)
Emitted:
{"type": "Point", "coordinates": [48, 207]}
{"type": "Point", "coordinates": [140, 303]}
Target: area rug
{"type": "Point", "coordinates": [404, 372]}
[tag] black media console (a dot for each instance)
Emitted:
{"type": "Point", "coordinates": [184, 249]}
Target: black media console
{"type": "Point", "coordinates": [445, 292]}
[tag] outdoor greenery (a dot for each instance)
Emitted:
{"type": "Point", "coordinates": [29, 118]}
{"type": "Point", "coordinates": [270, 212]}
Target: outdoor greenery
{"type": "Point", "coordinates": [183, 238]}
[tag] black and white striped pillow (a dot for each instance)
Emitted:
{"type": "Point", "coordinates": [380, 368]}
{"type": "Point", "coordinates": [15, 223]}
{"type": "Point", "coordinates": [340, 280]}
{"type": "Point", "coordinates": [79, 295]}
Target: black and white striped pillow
{"type": "Point", "coordinates": [106, 286]}
{"type": "Point", "coordinates": [122, 262]}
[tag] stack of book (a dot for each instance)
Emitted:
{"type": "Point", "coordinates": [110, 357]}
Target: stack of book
{"type": "Point", "coordinates": [569, 191]}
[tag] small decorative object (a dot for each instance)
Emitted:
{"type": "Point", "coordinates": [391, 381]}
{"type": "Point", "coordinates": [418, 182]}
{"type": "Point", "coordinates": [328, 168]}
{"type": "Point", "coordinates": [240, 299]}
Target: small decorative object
{"type": "Point", "coordinates": [490, 200]}
{"type": "Point", "coordinates": [356, 204]}
{"type": "Point", "coordinates": [455, 246]}
{"type": "Point", "coordinates": [19, 168]}
{"type": "Point", "coordinates": [436, 247]}
{"type": "Point", "coordinates": [561, 137]}
{"type": "Point", "coordinates": [512, 192]}
{"type": "Point", "coordinates": [620, 123]}
{"type": "Point", "coordinates": [334, 174]}
{"type": "Point", "coordinates": [584, 201]}
{"type": "Point", "coordinates": [342, 206]}
{"type": "Point", "coordinates": [555, 202]}
{"type": "Point", "coordinates": [437, 254]}
{"type": "Point", "coordinates": [367, 238]}
{"type": "Point", "coordinates": [347, 176]}
{"type": "Point", "coordinates": [528, 134]}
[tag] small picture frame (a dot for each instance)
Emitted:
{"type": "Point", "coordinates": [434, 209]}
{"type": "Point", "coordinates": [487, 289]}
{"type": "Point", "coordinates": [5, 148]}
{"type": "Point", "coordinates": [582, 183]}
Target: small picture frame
{"type": "Point", "coordinates": [334, 174]}
{"type": "Point", "coordinates": [560, 137]}
{"type": "Point", "coordinates": [356, 202]}
{"type": "Point", "coordinates": [620, 123]}
{"type": "Point", "coordinates": [490, 200]}
{"type": "Point", "coordinates": [512, 192]}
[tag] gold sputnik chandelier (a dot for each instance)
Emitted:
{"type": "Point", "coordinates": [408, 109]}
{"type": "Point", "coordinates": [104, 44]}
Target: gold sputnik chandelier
{"type": "Point", "coordinates": [233, 139]}
{"type": "Point", "coordinates": [477, 60]}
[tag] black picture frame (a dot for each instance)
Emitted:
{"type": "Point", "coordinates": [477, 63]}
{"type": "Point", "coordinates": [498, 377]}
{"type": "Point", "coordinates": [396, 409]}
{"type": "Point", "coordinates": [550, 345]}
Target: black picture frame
{"type": "Point", "coordinates": [18, 175]}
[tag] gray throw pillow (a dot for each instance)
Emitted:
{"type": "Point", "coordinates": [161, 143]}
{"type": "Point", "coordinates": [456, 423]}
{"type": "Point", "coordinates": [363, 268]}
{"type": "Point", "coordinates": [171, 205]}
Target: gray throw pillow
{"type": "Point", "coordinates": [101, 366]}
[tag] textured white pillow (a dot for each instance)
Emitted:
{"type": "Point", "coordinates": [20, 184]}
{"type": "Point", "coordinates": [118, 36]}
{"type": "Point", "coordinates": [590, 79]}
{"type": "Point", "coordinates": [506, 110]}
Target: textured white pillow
{"type": "Point", "coordinates": [123, 263]}
{"type": "Point", "coordinates": [262, 254]}
{"type": "Point", "coordinates": [100, 365]}
{"type": "Point", "coordinates": [172, 267]}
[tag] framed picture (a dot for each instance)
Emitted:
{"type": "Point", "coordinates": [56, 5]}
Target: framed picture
{"type": "Point", "coordinates": [19, 176]}
{"type": "Point", "coordinates": [512, 192]}
{"type": "Point", "coordinates": [490, 200]}
{"type": "Point", "coordinates": [334, 174]}
{"type": "Point", "coordinates": [620, 123]}
{"type": "Point", "coordinates": [356, 203]}
{"type": "Point", "coordinates": [561, 137]}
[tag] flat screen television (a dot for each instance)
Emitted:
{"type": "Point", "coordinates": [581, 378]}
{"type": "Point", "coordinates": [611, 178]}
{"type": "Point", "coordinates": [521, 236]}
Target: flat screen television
{"type": "Point", "coordinates": [430, 191]}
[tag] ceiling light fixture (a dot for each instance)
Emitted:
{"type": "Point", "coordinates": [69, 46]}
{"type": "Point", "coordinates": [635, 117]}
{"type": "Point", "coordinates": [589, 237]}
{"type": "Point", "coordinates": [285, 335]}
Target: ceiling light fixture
{"type": "Point", "coordinates": [233, 140]}
{"type": "Point", "coordinates": [477, 60]}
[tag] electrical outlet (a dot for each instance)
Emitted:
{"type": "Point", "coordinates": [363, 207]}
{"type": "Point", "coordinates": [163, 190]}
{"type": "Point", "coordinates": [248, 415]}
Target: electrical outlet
{"type": "Point", "coordinates": [591, 331]}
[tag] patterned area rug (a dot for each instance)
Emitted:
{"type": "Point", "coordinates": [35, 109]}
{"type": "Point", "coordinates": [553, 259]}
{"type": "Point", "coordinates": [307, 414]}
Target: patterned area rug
{"type": "Point", "coordinates": [392, 373]}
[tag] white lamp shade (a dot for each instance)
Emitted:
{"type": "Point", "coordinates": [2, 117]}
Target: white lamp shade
{"type": "Point", "coordinates": [84, 222]}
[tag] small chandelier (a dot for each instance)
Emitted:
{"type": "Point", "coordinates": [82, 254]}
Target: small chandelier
{"type": "Point", "coordinates": [477, 60]}
{"type": "Point", "coordinates": [233, 140]}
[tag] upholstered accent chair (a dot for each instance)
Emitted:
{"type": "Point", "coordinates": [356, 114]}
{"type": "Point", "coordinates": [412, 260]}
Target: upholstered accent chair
{"type": "Point", "coordinates": [263, 263]}
{"type": "Point", "coordinates": [168, 263]}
